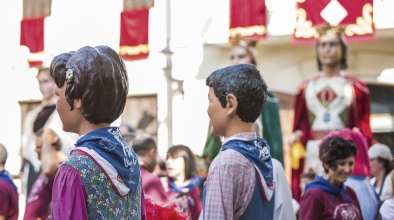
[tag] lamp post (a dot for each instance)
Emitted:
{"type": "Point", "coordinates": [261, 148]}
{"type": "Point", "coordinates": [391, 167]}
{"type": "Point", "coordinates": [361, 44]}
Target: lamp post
{"type": "Point", "coordinates": [168, 74]}
{"type": "Point", "coordinates": [171, 91]}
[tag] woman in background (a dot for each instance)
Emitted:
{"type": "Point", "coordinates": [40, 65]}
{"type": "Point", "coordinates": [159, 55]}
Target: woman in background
{"type": "Point", "coordinates": [380, 156]}
{"type": "Point", "coordinates": [358, 181]}
{"type": "Point", "coordinates": [183, 180]}
{"type": "Point", "coordinates": [387, 208]}
{"type": "Point", "coordinates": [327, 197]}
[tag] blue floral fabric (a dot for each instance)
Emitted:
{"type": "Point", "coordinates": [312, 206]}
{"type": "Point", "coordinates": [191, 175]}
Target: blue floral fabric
{"type": "Point", "coordinates": [102, 200]}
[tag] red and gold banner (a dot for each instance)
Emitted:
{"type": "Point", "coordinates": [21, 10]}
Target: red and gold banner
{"type": "Point", "coordinates": [354, 16]}
{"type": "Point", "coordinates": [134, 25]}
{"type": "Point", "coordinates": [248, 19]}
{"type": "Point", "coordinates": [32, 36]}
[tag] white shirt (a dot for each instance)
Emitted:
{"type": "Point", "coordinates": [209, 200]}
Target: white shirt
{"type": "Point", "coordinates": [386, 191]}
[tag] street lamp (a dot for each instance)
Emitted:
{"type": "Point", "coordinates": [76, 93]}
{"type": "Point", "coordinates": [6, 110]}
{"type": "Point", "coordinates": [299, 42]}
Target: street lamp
{"type": "Point", "coordinates": [168, 74]}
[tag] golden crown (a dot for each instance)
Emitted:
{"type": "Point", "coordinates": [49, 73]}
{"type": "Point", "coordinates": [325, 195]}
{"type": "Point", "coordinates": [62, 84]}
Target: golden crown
{"type": "Point", "coordinates": [328, 29]}
{"type": "Point", "coordinates": [242, 41]}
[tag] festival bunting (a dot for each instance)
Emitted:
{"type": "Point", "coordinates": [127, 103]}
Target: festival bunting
{"type": "Point", "coordinates": [134, 34]}
{"type": "Point", "coordinates": [356, 17]}
{"type": "Point", "coordinates": [32, 36]}
{"type": "Point", "coordinates": [248, 19]}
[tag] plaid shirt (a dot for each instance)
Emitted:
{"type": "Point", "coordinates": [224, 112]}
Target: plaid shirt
{"type": "Point", "coordinates": [230, 183]}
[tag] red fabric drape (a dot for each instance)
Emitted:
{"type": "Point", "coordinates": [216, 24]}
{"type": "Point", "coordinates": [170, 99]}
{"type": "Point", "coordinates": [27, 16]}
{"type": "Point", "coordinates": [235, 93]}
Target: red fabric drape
{"type": "Point", "coordinates": [32, 36]}
{"type": "Point", "coordinates": [358, 23]}
{"type": "Point", "coordinates": [248, 19]}
{"type": "Point", "coordinates": [134, 26]}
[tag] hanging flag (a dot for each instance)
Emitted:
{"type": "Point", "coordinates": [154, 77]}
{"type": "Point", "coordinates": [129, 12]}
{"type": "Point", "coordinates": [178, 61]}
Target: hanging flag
{"type": "Point", "coordinates": [32, 36]}
{"type": "Point", "coordinates": [354, 16]}
{"type": "Point", "coordinates": [134, 26]}
{"type": "Point", "coordinates": [248, 19]}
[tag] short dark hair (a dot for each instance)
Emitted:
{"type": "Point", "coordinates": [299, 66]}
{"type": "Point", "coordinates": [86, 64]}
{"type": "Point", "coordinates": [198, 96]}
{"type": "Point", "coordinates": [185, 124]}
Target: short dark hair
{"type": "Point", "coordinates": [246, 84]}
{"type": "Point", "coordinates": [335, 148]}
{"type": "Point", "coordinates": [143, 144]}
{"type": "Point", "coordinates": [190, 160]}
{"type": "Point", "coordinates": [344, 54]}
{"type": "Point", "coordinates": [309, 175]}
{"type": "Point", "coordinates": [99, 80]}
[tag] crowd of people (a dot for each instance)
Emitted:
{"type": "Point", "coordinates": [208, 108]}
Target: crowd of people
{"type": "Point", "coordinates": [110, 172]}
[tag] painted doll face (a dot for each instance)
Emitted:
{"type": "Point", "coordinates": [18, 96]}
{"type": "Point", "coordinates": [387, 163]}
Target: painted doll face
{"type": "Point", "coordinates": [217, 114]}
{"type": "Point", "coordinates": [69, 118]}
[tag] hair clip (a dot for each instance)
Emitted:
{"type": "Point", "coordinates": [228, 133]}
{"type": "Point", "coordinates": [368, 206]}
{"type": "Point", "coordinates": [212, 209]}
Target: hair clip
{"type": "Point", "coordinates": [70, 76]}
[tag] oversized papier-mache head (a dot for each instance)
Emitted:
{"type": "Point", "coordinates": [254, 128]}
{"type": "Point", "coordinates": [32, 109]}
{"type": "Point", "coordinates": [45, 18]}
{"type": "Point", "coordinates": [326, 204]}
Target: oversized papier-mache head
{"type": "Point", "coordinates": [97, 76]}
{"type": "Point", "coordinates": [334, 32]}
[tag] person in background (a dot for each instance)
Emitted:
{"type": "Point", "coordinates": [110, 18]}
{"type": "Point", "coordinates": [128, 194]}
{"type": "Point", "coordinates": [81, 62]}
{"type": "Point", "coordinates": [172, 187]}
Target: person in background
{"type": "Point", "coordinates": [283, 201]}
{"type": "Point", "coordinates": [305, 178]}
{"type": "Point", "coordinates": [128, 133]}
{"type": "Point", "coordinates": [327, 197]}
{"type": "Point", "coordinates": [160, 169]}
{"type": "Point", "coordinates": [101, 178]}
{"type": "Point", "coordinates": [358, 180]}
{"type": "Point", "coordinates": [267, 125]}
{"type": "Point", "coordinates": [35, 120]}
{"type": "Point", "coordinates": [380, 156]}
{"type": "Point", "coordinates": [241, 180]}
{"type": "Point", "coordinates": [183, 180]}
{"type": "Point", "coordinates": [9, 206]}
{"type": "Point", "coordinates": [387, 209]}
{"type": "Point", "coordinates": [146, 149]}
{"type": "Point", "coordinates": [330, 101]}
{"type": "Point", "coordinates": [39, 200]}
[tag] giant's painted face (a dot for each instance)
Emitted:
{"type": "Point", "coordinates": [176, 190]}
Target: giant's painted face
{"type": "Point", "coordinates": [329, 50]}
{"type": "Point", "coordinates": [240, 55]}
{"type": "Point", "coordinates": [46, 84]}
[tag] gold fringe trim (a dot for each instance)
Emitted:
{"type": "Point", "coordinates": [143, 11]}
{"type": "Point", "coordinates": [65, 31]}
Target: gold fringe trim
{"type": "Point", "coordinates": [363, 25]}
{"type": "Point", "coordinates": [132, 51]}
{"type": "Point", "coordinates": [247, 31]}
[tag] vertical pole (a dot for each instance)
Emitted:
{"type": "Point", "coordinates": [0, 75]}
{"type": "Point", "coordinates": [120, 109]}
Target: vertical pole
{"type": "Point", "coordinates": [168, 73]}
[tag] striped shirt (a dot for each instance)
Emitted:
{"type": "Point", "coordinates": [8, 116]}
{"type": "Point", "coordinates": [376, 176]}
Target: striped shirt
{"type": "Point", "coordinates": [230, 183]}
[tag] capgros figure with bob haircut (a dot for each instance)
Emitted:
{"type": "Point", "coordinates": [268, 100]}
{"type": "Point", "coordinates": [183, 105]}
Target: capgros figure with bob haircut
{"type": "Point", "coordinates": [246, 84]}
{"type": "Point", "coordinates": [335, 148]}
{"type": "Point", "coordinates": [97, 76]}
